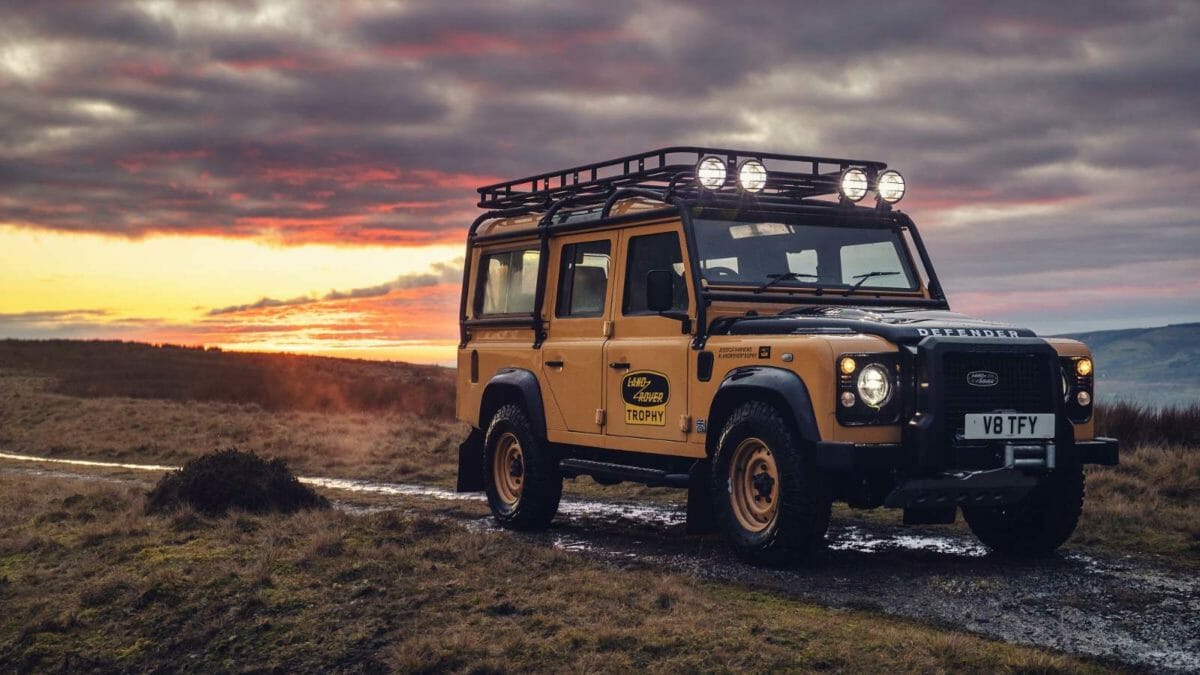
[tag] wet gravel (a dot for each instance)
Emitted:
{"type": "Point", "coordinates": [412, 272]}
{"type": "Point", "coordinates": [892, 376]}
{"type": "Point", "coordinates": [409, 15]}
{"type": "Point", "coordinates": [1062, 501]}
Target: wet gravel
{"type": "Point", "coordinates": [1123, 609]}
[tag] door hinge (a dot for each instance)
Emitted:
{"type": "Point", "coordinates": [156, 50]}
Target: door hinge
{"type": "Point", "coordinates": [685, 423]}
{"type": "Point", "coordinates": [599, 417]}
{"type": "Point", "coordinates": [607, 330]}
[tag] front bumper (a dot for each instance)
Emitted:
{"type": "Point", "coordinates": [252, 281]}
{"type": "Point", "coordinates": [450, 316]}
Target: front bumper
{"type": "Point", "coordinates": [921, 489]}
{"type": "Point", "coordinates": [857, 457]}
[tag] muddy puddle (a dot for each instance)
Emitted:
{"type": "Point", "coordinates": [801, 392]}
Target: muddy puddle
{"type": "Point", "coordinates": [1122, 609]}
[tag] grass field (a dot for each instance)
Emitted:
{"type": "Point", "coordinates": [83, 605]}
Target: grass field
{"type": "Point", "coordinates": [1148, 505]}
{"type": "Point", "coordinates": [88, 582]}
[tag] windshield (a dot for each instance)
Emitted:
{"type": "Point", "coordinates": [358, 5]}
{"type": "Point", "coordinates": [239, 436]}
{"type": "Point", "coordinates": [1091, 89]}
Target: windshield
{"type": "Point", "coordinates": [775, 254]}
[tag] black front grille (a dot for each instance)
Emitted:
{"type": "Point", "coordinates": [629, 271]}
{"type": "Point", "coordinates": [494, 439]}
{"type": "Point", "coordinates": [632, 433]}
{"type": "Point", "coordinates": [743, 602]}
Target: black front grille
{"type": "Point", "coordinates": [1023, 383]}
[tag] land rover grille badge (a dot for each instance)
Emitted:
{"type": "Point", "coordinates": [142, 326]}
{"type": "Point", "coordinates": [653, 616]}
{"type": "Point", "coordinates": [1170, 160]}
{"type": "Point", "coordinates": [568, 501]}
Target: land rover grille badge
{"type": "Point", "coordinates": [982, 378]}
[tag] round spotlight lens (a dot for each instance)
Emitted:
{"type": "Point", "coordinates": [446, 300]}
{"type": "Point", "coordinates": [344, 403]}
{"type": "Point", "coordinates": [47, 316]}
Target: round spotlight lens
{"type": "Point", "coordinates": [1083, 367]}
{"type": "Point", "coordinates": [874, 388]}
{"type": "Point", "coordinates": [1084, 398]}
{"type": "Point", "coordinates": [711, 172]}
{"type": "Point", "coordinates": [848, 399]}
{"type": "Point", "coordinates": [752, 175]}
{"type": "Point", "coordinates": [847, 365]}
{"type": "Point", "coordinates": [853, 184]}
{"type": "Point", "coordinates": [890, 186]}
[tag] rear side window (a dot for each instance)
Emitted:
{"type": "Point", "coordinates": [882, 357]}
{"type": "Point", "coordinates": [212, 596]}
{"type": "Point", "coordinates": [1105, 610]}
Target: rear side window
{"type": "Point", "coordinates": [583, 279]}
{"type": "Point", "coordinates": [509, 281]}
{"type": "Point", "coordinates": [648, 253]}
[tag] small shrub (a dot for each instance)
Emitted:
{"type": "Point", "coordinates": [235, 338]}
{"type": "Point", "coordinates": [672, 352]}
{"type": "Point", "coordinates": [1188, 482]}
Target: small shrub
{"type": "Point", "coordinates": [1134, 424]}
{"type": "Point", "coordinates": [230, 479]}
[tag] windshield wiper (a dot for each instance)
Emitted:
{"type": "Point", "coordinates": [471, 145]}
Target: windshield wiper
{"type": "Point", "coordinates": [862, 279]}
{"type": "Point", "coordinates": [785, 276]}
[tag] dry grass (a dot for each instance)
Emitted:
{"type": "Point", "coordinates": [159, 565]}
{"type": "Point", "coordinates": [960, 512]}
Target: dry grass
{"type": "Point", "coordinates": [1149, 504]}
{"type": "Point", "coordinates": [100, 369]}
{"type": "Point", "coordinates": [88, 583]}
{"type": "Point", "coordinates": [381, 446]}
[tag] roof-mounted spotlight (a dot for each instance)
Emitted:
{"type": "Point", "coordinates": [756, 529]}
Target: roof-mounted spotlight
{"type": "Point", "coordinates": [890, 186]}
{"type": "Point", "coordinates": [710, 171]}
{"type": "Point", "coordinates": [853, 184]}
{"type": "Point", "coordinates": [752, 175]}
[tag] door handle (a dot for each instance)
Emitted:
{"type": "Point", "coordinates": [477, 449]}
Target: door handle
{"type": "Point", "coordinates": [619, 365]}
{"type": "Point", "coordinates": [554, 364]}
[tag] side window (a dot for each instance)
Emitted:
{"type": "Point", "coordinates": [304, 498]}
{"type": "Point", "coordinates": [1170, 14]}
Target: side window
{"type": "Point", "coordinates": [645, 254]}
{"type": "Point", "coordinates": [509, 281]}
{"type": "Point", "coordinates": [583, 279]}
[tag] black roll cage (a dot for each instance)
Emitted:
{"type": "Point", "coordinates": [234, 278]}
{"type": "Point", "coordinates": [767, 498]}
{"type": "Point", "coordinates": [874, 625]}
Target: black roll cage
{"type": "Point", "coordinates": [656, 176]}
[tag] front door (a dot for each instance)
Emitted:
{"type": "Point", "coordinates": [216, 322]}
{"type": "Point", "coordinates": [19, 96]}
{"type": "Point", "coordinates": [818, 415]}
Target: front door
{"type": "Point", "coordinates": [646, 356]}
{"type": "Point", "coordinates": [573, 353]}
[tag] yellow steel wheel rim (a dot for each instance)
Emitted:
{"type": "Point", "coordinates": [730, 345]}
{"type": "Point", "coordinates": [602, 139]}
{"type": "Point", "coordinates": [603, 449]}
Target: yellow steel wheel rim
{"type": "Point", "coordinates": [754, 485]}
{"type": "Point", "coordinates": [508, 469]}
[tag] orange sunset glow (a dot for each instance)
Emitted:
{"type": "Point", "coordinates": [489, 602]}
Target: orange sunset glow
{"type": "Point", "coordinates": [299, 177]}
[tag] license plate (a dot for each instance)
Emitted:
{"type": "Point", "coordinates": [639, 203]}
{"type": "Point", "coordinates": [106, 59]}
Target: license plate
{"type": "Point", "coordinates": [1009, 425]}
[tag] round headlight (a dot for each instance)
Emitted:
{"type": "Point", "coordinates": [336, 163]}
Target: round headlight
{"type": "Point", "coordinates": [711, 172]}
{"type": "Point", "coordinates": [1083, 367]}
{"type": "Point", "coordinates": [890, 186]}
{"type": "Point", "coordinates": [752, 175]}
{"type": "Point", "coordinates": [874, 388]}
{"type": "Point", "coordinates": [853, 184]}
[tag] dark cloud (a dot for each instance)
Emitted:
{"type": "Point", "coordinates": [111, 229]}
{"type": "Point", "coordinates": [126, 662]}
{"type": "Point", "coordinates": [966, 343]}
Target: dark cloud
{"type": "Point", "coordinates": [1053, 133]}
{"type": "Point", "coordinates": [439, 273]}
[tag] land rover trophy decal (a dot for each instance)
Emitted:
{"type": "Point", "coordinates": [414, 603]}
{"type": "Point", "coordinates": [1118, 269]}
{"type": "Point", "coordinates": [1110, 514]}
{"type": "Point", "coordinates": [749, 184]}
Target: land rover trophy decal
{"type": "Point", "coordinates": [646, 393]}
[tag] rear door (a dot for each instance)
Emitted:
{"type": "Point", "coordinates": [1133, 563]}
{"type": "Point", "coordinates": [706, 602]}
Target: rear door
{"type": "Point", "coordinates": [573, 352]}
{"type": "Point", "coordinates": [646, 356]}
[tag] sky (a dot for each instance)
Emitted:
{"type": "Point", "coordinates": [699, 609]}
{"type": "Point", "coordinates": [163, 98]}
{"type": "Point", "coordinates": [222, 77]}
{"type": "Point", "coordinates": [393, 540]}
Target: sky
{"type": "Point", "coordinates": [299, 176]}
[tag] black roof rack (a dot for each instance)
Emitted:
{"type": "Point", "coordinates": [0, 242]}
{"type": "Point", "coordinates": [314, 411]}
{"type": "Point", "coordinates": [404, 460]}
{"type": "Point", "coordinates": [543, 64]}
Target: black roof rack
{"type": "Point", "coordinates": [670, 170]}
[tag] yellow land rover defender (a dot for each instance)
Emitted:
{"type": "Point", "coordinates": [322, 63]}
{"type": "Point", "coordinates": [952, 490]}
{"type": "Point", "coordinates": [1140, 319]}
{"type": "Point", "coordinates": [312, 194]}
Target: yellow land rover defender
{"type": "Point", "coordinates": [737, 324]}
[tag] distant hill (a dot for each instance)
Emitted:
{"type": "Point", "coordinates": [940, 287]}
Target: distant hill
{"type": "Point", "coordinates": [273, 381]}
{"type": "Point", "coordinates": [1152, 366]}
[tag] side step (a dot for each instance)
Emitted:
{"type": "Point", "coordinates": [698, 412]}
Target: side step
{"type": "Point", "coordinates": [636, 474]}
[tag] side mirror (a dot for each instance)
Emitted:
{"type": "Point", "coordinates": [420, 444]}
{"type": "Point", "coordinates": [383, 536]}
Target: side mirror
{"type": "Point", "coordinates": [660, 290]}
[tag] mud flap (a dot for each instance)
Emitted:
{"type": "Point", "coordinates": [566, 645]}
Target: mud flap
{"type": "Point", "coordinates": [470, 463]}
{"type": "Point", "coordinates": [701, 519]}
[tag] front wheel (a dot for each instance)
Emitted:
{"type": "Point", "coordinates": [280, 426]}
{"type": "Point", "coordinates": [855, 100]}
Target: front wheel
{"type": "Point", "coordinates": [521, 476]}
{"type": "Point", "coordinates": [771, 501]}
{"type": "Point", "coordinates": [1038, 524]}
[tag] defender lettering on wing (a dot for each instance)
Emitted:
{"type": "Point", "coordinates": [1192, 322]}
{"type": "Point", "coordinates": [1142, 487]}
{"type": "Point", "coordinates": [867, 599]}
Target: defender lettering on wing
{"type": "Point", "coordinates": [646, 393]}
{"type": "Point", "coordinates": [968, 332]}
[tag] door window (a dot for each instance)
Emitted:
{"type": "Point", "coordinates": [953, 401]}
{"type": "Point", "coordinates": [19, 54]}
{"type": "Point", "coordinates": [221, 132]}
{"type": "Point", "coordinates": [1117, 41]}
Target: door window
{"type": "Point", "coordinates": [583, 279]}
{"type": "Point", "coordinates": [648, 253]}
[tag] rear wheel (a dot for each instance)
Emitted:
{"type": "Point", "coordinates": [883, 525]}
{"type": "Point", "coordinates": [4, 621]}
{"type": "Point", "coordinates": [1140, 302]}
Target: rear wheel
{"type": "Point", "coordinates": [771, 502]}
{"type": "Point", "coordinates": [521, 476]}
{"type": "Point", "coordinates": [1040, 523]}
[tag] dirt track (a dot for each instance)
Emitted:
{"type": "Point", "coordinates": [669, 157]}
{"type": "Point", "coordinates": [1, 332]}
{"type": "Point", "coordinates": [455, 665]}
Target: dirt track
{"type": "Point", "coordinates": [1123, 609]}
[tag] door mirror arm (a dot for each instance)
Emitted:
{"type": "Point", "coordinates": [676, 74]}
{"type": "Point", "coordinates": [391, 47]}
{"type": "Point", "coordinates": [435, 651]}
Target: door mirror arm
{"type": "Point", "coordinates": [682, 317]}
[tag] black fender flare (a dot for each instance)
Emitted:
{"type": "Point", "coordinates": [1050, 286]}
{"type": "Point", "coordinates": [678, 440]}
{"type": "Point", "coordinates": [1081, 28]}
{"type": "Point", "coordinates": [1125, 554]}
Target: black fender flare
{"type": "Point", "coordinates": [784, 387]}
{"type": "Point", "coordinates": [509, 383]}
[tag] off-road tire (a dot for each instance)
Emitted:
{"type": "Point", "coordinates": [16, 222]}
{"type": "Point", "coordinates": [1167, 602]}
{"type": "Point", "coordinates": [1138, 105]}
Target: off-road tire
{"type": "Point", "coordinates": [802, 515]}
{"type": "Point", "coordinates": [542, 481]}
{"type": "Point", "coordinates": [1037, 525]}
